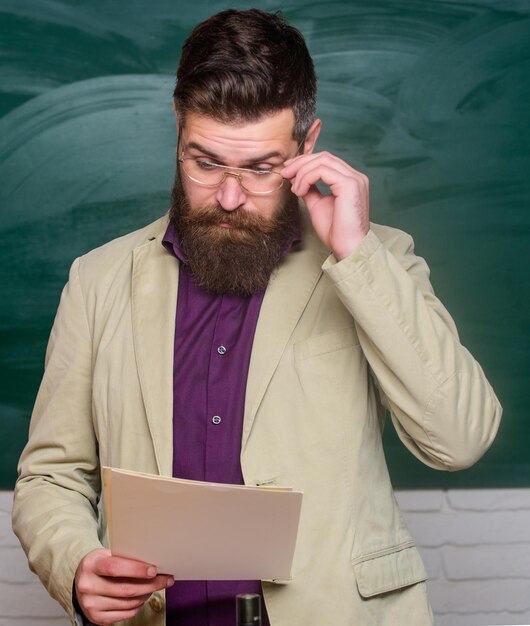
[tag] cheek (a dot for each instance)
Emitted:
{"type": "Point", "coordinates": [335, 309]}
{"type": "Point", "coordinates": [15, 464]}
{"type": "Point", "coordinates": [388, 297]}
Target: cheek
{"type": "Point", "coordinates": [199, 196]}
{"type": "Point", "coordinates": [267, 206]}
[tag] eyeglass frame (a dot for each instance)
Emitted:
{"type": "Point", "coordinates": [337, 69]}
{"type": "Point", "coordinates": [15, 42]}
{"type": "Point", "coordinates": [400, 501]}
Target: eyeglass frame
{"type": "Point", "coordinates": [224, 168]}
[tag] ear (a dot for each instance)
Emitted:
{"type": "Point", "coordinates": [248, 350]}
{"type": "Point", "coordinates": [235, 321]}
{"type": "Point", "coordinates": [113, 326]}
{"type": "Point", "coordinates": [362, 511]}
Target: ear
{"type": "Point", "coordinates": [311, 137]}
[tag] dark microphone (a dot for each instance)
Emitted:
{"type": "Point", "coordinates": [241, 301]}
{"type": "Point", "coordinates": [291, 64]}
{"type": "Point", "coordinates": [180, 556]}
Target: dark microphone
{"type": "Point", "coordinates": [248, 609]}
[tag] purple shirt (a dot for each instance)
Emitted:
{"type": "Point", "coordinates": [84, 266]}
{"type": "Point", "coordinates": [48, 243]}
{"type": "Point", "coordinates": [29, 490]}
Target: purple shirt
{"type": "Point", "coordinates": [213, 343]}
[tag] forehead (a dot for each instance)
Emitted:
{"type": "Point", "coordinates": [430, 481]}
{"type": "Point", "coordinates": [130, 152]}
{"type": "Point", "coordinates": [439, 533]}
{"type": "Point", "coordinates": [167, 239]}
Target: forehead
{"type": "Point", "coordinates": [241, 140]}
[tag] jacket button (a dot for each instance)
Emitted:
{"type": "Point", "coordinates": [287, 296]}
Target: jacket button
{"type": "Point", "coordinates": [156, 603]}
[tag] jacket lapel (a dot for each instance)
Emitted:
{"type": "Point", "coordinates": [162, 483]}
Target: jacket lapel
{"type": "Point", "coordinates": [285, 299]}
{"type": "Point", "coordinates": [154, 295]}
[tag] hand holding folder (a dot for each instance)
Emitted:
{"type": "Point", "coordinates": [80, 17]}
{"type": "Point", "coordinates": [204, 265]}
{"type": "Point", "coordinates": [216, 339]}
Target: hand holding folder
{"type": "Point", "coordinates": [202, 531]}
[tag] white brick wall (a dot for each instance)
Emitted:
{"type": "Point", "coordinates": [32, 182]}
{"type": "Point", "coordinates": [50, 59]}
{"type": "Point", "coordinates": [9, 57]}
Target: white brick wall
{"type": "Point", "coordinates": [23, 600]}
{"type": "Point", "coordinates": [475, 544]}
{"type": "Point", "coordinates": [476, 548]}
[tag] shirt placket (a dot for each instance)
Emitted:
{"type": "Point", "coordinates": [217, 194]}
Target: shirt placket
{"type": "Point", "coordinates": [218, 424]}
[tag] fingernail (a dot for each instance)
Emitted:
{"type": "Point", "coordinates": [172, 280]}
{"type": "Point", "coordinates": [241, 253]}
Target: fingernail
{"type": "Point", "coordinates": [170, 581]}
{"type": "Point", "coordinates": [151, 571]}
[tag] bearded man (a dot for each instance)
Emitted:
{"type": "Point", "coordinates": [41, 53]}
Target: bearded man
{"type": "Point", "coordinates": [255, 334]}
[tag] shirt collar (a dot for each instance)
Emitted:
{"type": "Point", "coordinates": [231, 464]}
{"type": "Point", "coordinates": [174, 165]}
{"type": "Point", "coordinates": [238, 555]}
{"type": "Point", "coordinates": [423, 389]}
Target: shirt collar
{"type": "Point", "coordinates": [171, 242]}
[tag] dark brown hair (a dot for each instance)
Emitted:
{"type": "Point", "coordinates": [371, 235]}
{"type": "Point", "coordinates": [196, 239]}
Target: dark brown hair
{"type": "Point", "coordinates": [237, 66]}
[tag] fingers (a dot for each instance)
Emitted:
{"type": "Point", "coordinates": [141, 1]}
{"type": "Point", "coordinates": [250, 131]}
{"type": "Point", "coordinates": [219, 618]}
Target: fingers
{"type": "Point", "coordinates": [340, 219]}
{"type": "Point", "coordinates": [102, 618]}
{"type": "Point", "coordinates": [311, 174]}
{"type": "Point", "coordinates": [115, 600]}
{"type": "Point", "coordinates": [102, 603]}
{"type": "Point", "coordinates": [101, 573]}
{"type": "Point", "coordinates": [119, 577]}
{"type": "Point", "coordinates": [293, 166]}
{"type": "Point", "coordinates": [116, 566]}
{"type": "Point", "coordinates": [306, 170]}
{"type": "Point", "coordinates": [110, 588]}
{"type": "Point", "coordinates": [122, 587]}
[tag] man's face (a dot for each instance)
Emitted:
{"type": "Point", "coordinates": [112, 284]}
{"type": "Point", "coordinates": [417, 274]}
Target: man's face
{"type": "Point", "coordinates": [233, 239]}
{"type": "Point", "coordinates": [266, 143]}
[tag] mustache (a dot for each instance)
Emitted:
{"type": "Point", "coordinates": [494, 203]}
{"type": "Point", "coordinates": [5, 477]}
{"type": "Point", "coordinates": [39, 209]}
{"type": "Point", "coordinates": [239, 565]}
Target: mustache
{"type": "Point", "coordinates": [215, 215]}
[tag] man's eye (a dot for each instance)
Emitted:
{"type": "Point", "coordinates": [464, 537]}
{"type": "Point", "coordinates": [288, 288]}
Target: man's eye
{"type": "Point", "coordinates": [205, 165]}
{"type": "Point", "coordinates": [262, 170]}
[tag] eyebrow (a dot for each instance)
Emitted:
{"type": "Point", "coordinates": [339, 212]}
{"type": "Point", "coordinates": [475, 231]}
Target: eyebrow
{"type": "Point", "coordinates": [216, 157]}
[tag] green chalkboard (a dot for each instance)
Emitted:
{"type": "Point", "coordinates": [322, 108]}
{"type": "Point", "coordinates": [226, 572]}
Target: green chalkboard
{"type": "Point", "coordinates": [429, 97]}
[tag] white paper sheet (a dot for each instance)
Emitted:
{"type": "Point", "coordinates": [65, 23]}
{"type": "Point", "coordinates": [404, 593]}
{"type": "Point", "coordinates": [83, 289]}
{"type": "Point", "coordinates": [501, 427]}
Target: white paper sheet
{"type": "Point", "coordinates": [202, 531]}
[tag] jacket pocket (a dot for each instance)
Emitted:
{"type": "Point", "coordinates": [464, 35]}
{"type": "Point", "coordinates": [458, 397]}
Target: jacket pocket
{"type": "Point", "coordinates": [325, 343]}
{"type": "Point", "coordinates": [382, 572]}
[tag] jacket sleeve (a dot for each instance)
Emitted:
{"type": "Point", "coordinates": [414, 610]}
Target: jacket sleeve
{"type": "Point", "coordinates": [57, 492]}
{"type": "Point", "coordinates": [442, 406]}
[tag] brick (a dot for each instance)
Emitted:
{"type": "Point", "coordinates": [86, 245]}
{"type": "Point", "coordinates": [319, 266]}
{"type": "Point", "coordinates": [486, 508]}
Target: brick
{"type": "Point", "coordinates": [14, 567]}
{"type": "Point", "coordinates": [420, 500]}
{"type": "Point", "coordinates": [510, 596]}
{"type": "Point", "coordinates": [7, 536]}
{"type": "Point", "coordinates": [489, 499]}
{"type": "Point", "coordinates": [487, 561]}
{"type": "Point", "coordinates": [6, 501]}
{"type": "Point", "coordinates": [28, 600]}
{"type": "Point", "coordinates": [483, 619]}
{"type": "Point", "coordinates": [432, 560]}
{"type": "Point", "coordinates": [468, 528]}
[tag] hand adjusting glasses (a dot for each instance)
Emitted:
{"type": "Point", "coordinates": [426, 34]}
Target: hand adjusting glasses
{"type": "Point", "coordinates": [257, 181]}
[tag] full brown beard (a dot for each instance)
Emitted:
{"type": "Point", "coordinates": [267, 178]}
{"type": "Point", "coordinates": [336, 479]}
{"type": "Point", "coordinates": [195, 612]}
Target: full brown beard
{"type": "Point", "coordinates": [235, 260]}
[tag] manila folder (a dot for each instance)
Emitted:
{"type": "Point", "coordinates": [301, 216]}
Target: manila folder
{"type": "Point", "coordinates": [202, 531]}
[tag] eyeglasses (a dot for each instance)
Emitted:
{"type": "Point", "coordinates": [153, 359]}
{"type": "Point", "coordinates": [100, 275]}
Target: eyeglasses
{"type": "Point", "coordinates": [257, 181]}
{"type": "Point", "coordinates": [208, 174]}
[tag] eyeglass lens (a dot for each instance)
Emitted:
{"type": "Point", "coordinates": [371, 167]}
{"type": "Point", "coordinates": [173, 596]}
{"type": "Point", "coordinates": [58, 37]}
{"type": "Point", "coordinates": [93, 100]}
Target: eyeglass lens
{"type": "Point", "coordinates": [207, 173]}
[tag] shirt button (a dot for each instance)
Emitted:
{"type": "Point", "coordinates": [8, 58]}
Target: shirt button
{"type": "Point", "coordinates": [221, 350]}
{"type": "Point", "coordinates": [216, 419]}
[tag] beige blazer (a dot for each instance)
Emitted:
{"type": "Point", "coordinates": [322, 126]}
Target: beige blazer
{"type": "Point", "coordinates": [334, 343]}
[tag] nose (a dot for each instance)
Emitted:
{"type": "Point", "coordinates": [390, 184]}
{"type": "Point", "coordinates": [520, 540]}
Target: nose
{"type": "Point", "coordinates": [230, 194]}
